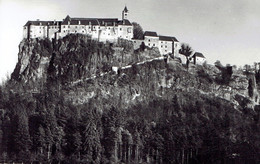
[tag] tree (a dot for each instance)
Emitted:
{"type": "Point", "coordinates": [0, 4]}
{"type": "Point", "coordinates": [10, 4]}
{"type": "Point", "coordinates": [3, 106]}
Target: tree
{"type": "Point", "coordinates": [186, 50]}
{"type": "Point", "coordinates": [218, 64]}
{"type": "Point", "coordinates": [22, 137]}
{"type": "Point", "coordinates": [91, 145]}
{"type": "Point", "coordinates": [138, 31]}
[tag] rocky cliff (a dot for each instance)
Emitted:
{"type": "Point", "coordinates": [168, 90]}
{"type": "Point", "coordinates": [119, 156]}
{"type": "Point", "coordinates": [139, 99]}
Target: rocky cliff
{"type": "Point", "coordinates": [78, 57]}
{"type": "Point", "coordinates": [66, 102]}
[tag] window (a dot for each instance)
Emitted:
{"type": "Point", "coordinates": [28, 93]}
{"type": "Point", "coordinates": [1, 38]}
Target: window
{"type": "Point", "coordinates": [75, 31]}
{"type": "Point", "coordinates": [129, 30]}
{"type": "Point", "coordinates": [134, 41]}
{"type": "Point", "coordinates": [153, 44]}
{"type": "Point", "coordinates": [126, 36]}
{"type": "Point", "coordinates": [161, 42]}
{"type": "Point", "coordinates": [68, 26]}
{"type": "Point", "coordinates": [89, 27]}
{"type": "Point", "coordinates": [148, 44]}
{"type": "Point", "coordinates": [76, 26]}
{"type": "Point", "coordinates": [109, 28]}
{"type": "Point", "coordinates": [149, 40]}
{"type": "Point", "coordinates": [165, 50]}
{"type": "Point", "coordinates": [64, 31]}
{"type": "Point", "coordinates": [165, 46]}
{"type": "Point", "coordinates": [82, 31]}
{"type": "Point", "coordinates": [161, 46]}
{"type": "Point", "coordinates": [63, 26]}
{"type": "Point", "coordinates": [120, 29]}
{"type": "Point", "coordinates": [108, 34]}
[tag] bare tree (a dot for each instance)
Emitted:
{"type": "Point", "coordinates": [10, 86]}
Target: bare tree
{"type": "Point", "coordinates": [186, 50]}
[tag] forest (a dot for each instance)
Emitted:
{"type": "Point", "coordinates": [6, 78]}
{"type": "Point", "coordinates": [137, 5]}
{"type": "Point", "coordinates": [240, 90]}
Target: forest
{"type": "Point", "coordinates": [179, 126]}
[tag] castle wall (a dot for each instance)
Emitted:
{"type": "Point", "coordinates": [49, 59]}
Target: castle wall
{"type": "Point", "coordinates": [151, 41]}
{"type": "Point", "coordinates": [137, 43]}
{"type": "Point", "coordinates": [52, 30]}
{"type": "Point", "coordinates": [108, 33]}
{"type": "Point", "coordinates": [25, 32]}
{"type": "Point", "coordinates": [176, 49]}
{"type": "Point", "coordinates": [200, 60]}
{"type": "Point", "coordinates": [125, 32]}
{"type": "Point", "coordinates": [165, 47]}
{"type": "Point", "coordinates": [38, 31]}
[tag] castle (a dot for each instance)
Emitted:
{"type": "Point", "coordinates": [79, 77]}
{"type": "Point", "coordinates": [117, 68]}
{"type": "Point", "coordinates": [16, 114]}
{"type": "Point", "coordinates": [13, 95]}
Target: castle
{"type": "Point", "coordinates": [105, 29]}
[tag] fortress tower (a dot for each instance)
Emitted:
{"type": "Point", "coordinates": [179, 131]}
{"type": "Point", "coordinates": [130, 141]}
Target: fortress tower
{"type": "Point", "coordinates": [125, 13]}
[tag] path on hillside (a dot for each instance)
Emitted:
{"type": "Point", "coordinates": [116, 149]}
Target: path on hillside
{"type": "Point", "coordinates": [121, 68]}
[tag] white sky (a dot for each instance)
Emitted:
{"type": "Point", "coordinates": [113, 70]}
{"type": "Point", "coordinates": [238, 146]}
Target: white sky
{"type": "Point", "coordinates": [225, 30]}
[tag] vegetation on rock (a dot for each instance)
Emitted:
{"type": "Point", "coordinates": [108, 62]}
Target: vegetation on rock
{"type": "Point", "coordinates": [155, 112]}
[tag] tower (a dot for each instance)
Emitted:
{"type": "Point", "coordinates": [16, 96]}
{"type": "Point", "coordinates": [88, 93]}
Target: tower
{"type": "Point", "coordinates": [125, 13]}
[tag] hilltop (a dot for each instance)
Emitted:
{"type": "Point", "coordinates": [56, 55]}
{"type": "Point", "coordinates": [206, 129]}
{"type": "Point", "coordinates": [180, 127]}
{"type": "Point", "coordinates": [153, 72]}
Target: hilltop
{"type": "Point", "coordinates": [76, 99]}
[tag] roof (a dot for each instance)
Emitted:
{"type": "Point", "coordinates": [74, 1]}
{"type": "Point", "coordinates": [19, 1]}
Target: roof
{"type": "Point", "coordinates": [198, 54]}
{"type": "Point", "coordinates": [38, 22]}
{"type": "Point", "coordinates": [124, 22]}
{"type": "Point", "coordinates": [96, 21]}
{"type": "Point", "coordinates": [107, 21]}
{"type": "Point", "coordinates": [83, 21]}
{"type": "Point", "coordinates": [150, 33]}
{"type": "Point", "coordinates": [125, 9]}
{"type": "Point", "coordinates": [167, 38]}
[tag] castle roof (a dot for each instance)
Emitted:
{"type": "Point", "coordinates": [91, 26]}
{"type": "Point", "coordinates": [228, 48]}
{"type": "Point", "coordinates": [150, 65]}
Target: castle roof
{"type": "Point", "coordinates": [125, 9]}
{"type": "Point", "coordinates": [198, 54]}
{"type": "Point", "coordinates": [107, 21]}
{"type": "Point", "coordinates": [82, 21]}
{"type": "Point", "coordinates": [95, 21]}
{"type": "Point", "coordinates": [125, 22]}
{"type": "Point", "coordinates": [167, 38]}
{"type": "Point", "coordinates": [42, 23]}
{"type": "Point", "coordinates": [150, 33]}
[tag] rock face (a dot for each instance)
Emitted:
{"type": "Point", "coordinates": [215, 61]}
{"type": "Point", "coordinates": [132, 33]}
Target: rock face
{"type": "Point", "coordinates": [107, 103]}
{"type": "Point", "coordinates": [33, 59]}
{"type": "Point", "coordinates": [78, 58]}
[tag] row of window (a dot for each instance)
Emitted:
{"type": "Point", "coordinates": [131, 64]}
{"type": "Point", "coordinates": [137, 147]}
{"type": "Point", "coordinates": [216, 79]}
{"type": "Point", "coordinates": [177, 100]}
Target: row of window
{"type": "Point", "coordinates": [161, 41]}
{"type": "Point", "coordinates": [94, 27]}
{"type": "Point", "coordinates": [150, 44]}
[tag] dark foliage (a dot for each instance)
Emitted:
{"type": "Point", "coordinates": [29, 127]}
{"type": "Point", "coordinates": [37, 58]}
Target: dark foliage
{"type": "Point", "coordinates": [138, 31]}
{"type": "Point", "coordinates": [180, 126]}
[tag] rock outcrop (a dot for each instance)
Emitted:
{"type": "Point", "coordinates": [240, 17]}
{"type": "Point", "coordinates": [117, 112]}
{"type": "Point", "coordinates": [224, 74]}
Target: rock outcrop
{"type": "Point", "coordinates": [77, 57]}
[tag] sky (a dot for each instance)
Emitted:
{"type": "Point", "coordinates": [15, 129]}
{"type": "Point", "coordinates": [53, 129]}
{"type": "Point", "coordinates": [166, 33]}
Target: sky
{"type": "Point", "coordinates": [225, 30]}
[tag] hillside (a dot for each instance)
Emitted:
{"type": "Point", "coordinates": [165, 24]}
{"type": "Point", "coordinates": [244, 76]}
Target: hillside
{"type": "Point", "coordinates": [64, 103]}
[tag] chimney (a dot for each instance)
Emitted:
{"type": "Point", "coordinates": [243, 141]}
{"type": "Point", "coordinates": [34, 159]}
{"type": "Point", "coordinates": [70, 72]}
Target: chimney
{"type": "Point", "coordinates": [123, 22]}
{"type": "Point", "coordinates": [79, 22]}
